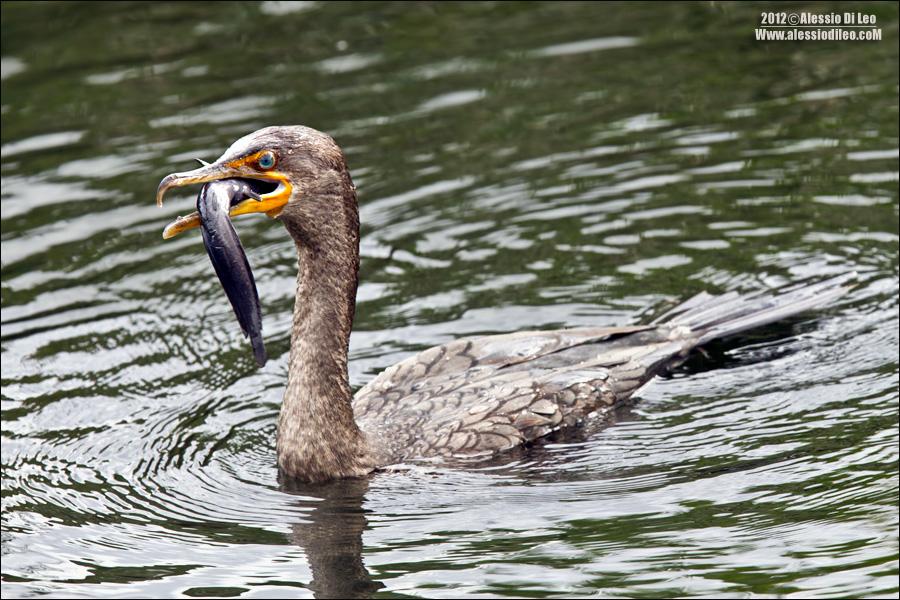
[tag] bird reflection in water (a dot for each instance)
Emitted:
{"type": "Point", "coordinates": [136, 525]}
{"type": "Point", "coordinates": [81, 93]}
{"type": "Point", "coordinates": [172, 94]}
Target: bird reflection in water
{"type": "Point", "coordinates": [331, 537]}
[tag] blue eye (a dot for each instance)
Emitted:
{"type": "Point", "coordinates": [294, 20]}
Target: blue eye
{"type": "Point", "coordinates": [266, 160]}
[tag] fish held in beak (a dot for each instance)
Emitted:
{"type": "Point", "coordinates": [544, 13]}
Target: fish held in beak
{"type": "Point", "coordinates": [227, 255]}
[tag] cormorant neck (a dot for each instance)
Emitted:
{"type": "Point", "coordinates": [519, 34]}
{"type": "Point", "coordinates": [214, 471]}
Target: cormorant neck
{"type": "Point", "coordinates": [318, 438]}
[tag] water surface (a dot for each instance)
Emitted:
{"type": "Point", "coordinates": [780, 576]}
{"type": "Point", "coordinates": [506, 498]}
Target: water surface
{"type": "Point", "coordinates": [519, 166]}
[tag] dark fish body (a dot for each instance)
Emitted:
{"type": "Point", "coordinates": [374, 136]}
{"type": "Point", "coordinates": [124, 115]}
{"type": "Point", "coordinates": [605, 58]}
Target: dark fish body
{"type": "Point", "coordinates": [227, 255]}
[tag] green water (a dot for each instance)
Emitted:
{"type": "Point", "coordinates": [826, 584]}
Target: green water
{"type": "Point", "coordinates": [519, 166]}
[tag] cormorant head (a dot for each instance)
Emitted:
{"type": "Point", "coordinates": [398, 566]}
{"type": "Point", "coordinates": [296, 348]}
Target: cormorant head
{"type": "Point", "coordinates": [280, 164]}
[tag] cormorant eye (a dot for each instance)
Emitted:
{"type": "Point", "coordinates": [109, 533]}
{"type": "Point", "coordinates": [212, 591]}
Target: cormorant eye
{"type": "Point", "coordinates": [266, 160]}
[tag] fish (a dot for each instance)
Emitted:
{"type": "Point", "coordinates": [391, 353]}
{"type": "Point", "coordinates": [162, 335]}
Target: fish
{"type": "Point", "coordinates": [228, 257]}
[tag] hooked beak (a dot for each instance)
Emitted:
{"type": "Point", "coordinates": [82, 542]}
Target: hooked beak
{"type": "Point", "coordinates": [269, 203]}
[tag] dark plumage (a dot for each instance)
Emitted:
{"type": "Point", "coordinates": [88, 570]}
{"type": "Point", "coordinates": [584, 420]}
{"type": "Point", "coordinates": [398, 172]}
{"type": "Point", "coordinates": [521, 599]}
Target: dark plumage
{"type": "Point", "coordinates": [465, 397]}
